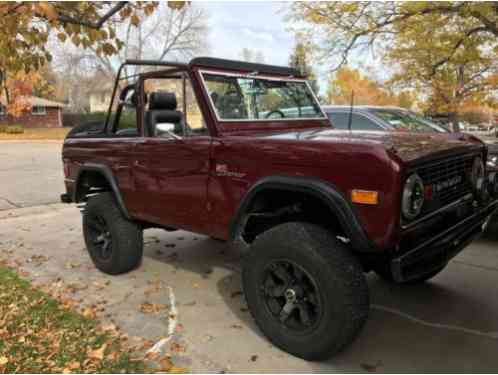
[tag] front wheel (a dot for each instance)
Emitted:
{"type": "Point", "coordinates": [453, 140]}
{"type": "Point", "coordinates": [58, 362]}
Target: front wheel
{"type": "Point", "coordinates": [305, 290]}
{"type": "Point", "coordinates": [114, 243]}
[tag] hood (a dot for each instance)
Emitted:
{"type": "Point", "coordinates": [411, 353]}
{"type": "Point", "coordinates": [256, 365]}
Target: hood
{"type": "Point", "coordinates": [409, 147]}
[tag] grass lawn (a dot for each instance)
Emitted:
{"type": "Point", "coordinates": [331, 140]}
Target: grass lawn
{"type": "Point", "coordinates": [40, 335]}
{"type": "Point", "coordinates": [38, 134]}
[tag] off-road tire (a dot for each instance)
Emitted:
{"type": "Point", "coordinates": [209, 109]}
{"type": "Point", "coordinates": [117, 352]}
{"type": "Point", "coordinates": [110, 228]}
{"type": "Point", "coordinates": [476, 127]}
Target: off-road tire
{"type": "Point", "coordinates": [385, 273]}
{"type": "Point", "coordinates": [340, 281]}
{"type": "Point", "coordinates": [126, 245]}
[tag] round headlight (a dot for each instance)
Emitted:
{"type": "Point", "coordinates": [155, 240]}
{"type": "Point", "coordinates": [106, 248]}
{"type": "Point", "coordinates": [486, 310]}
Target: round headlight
{"type": "Point", "coordinates": [477, 176]}
{"type": "Point", "coordinates": [413, 197]}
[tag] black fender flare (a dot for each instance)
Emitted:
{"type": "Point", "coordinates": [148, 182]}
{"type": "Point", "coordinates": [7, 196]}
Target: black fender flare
{"type": "Point", "coordinates": [109, 176]}
{"type": "Point", "coordinates": [326, 192]}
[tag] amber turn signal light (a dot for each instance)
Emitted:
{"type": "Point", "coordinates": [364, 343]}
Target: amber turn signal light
{"type": "Point", "coordinates": [364, 196]}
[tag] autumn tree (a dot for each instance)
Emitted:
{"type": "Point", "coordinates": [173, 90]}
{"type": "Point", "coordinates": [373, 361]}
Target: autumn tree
{"type": "Point", "coordinates": [300, 59]}
{"type": "Point", "coordinates": [467, 76]}
{"type": "Point", "coordinates": [20, 86]}
{"type": "Point", "coordinates": [26, 27]}
{"type": "Point", "coordinates": [347, 27]}
{"type": "Point", "coordinates": [168, 34]}
{"type": "Point", "coordinates": [448, 49]}
{"type": "Point", "coordinates": [366, 91]}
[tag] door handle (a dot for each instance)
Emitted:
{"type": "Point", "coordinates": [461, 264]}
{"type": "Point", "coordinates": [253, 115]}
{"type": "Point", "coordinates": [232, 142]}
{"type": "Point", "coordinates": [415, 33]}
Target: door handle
{"type": "Point", "coordinates": [137, 164]}
{"type": "Point", "coordinates": [119, 167]}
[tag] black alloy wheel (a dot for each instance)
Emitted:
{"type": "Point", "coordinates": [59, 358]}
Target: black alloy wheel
{"type": "Point", "coordinates": [291, 295]}
{"type": "Point", "coordinates": [100, 236]}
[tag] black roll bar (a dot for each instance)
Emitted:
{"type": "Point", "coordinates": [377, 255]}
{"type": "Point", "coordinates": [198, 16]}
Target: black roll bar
{"type": "Point", "coordinates": [137, 63]}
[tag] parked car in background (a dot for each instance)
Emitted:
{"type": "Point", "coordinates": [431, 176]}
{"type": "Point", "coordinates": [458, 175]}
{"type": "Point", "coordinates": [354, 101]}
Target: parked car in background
{"type": "Point", "coordinates": [380, 118]}
{"type": "Point", "coordinates": [384, 118]}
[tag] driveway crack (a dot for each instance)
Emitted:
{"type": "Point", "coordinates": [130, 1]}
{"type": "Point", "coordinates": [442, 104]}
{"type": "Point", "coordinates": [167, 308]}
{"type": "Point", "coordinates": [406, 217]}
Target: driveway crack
{"type": "Point", "coordinates": [449, 327]}
{"type": "Point", "coordinates": [10, 202]}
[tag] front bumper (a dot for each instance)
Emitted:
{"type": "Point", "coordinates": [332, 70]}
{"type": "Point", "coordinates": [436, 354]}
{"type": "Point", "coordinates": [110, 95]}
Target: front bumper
{"type": "Point", "coordinates": [435, 252]}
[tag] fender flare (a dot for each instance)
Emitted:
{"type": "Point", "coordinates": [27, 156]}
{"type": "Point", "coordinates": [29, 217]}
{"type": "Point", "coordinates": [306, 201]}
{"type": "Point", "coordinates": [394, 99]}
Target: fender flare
{"type": "Point", "coordinates": [326, 192]}
{"type": "Point", "coordinates": [109, 176]}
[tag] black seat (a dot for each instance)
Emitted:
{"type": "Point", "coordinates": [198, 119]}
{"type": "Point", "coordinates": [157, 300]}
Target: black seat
{"type": "Point", "coordinates": [162, 109]}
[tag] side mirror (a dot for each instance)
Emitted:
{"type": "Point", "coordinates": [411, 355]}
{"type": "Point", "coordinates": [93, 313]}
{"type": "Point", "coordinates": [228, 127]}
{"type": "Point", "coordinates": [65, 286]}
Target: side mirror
{"type": "Point", "coordinates": [166, 128]}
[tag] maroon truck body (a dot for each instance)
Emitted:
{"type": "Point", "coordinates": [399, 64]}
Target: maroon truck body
{"type": "Point", "coordinates": [200, 183]}
{"type": "Point", "coordinates": [315, 207]}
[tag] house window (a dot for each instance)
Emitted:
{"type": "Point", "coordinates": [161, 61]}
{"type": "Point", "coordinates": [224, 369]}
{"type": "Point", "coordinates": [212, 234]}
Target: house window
{"type": "Point", "coordinates": [2, 110]}
{"type": "Point", "coordinates": [39, 110]}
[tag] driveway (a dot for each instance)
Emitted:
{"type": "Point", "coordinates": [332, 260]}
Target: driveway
{"type": "Point", "coordinates": [193, 285]}
{"type": "Point", "coordinates": [187, 292]}
{"type": "Point", "coordinates": [30, 173]}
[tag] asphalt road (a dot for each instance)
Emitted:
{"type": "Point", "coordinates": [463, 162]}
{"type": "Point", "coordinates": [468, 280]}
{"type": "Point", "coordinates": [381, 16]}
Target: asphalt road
{"type": "Point", "coordinates": [447, 325]}
{"type": "Point", "coordinates": [30, 174]}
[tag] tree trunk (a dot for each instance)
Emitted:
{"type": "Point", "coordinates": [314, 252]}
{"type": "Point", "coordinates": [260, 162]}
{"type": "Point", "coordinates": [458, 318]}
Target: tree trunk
{"type": "Point", "coordinates": [453, 120]}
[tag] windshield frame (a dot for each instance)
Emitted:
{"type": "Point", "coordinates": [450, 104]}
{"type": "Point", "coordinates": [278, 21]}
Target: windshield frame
{"type": "Point", "coordinates": [255, 75]}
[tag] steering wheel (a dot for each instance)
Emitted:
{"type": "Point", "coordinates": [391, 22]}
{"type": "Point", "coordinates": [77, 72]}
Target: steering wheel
{"type": "Point", "coordinates": [275, 111]}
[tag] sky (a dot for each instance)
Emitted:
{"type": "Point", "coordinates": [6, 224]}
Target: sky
{"type": "Point", "coordinates": [261, 26]}
{"type": "Point", "coordinates": [254, 25]}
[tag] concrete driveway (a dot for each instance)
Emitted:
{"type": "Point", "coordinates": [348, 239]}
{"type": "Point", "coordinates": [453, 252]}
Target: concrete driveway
{"type": "Point", "coordinates": [30, 173]}
{"type": "Point", "coordinates": [193, 284]}
{"type": "Point", "coordinates": [188, 291]}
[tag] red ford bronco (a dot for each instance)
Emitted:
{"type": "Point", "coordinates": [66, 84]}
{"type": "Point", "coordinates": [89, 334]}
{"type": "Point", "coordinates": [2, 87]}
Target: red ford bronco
{"type": "Point", "coordinates": [243, 152]}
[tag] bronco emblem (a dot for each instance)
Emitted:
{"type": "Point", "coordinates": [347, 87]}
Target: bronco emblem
{"type": "Point", "coordinates": [442, 185]}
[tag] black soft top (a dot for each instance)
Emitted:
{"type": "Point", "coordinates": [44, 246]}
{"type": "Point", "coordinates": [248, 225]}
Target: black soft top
{"type": "Point", "coordinates": [211, 62]}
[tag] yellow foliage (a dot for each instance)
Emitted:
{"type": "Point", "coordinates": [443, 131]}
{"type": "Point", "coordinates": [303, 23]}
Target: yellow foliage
{"type": "Point", "coordinates": [366, 91]}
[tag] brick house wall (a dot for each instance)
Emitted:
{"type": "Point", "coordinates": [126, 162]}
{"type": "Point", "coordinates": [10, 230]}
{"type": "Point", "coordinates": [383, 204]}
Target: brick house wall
{"type": "Point", "coordinates": [52, 119]}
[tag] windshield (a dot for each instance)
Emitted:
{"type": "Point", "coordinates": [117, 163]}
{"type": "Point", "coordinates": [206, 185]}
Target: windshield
{"type": "Point", "coordinates": [409, 121]}
{"type": "Point", "coordinates": [252, 98]}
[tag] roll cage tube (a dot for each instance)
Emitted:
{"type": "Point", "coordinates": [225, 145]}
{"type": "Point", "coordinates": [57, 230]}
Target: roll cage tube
{"type": "Point", "coordinates": [136, 63]}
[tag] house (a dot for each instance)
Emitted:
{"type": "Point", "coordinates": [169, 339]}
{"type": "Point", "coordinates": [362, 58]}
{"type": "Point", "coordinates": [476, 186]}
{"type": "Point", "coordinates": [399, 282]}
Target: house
{"type": "Point", "coordinates": [44, 113]}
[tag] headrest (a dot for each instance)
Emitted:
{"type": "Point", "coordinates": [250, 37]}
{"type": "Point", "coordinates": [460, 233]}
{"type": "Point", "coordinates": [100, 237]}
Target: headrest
{"type": "Point", "coordinates": [162, 100]}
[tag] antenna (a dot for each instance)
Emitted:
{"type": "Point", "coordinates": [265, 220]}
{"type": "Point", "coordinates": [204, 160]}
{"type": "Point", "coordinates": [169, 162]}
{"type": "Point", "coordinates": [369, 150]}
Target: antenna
{"type": "Point", "coordinates": [351, 110]}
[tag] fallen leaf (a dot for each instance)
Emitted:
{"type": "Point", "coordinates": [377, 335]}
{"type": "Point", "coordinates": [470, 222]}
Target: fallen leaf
{"type": "Point", "coordinates": [176, 347]}
{"type": "Point", "coordinates": [236, 326]}
{"type": "Point", "coordinates": [254, 358]}
{"type": "Point", "coordinates": [73, 365]}
{"type": "Point", "coordinates": [3, 361]}
{"type": "Point", "coordinates": [89, 312]}
{"type": "Point", "coordinates": [166, 364]}
{"type": "Point", "coordinates": [177, 370]}
{"type": "Point", "coordinates": [97, 353]}
{"type": "Point", "coordinates": [71, 265]}
{"type": "Point", "coordinates": [148, 308]}
{"type": "Point", "coordinates": [109, 327]}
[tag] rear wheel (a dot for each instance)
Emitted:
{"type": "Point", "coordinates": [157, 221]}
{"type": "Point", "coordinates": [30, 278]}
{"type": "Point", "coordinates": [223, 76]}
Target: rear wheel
{"type": "Point", "coordinates": [305, 290]}
{"type": "Point", "coordinates": [114, 243]}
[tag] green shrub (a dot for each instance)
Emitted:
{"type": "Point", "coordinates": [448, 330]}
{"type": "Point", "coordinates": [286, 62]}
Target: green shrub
{"type": "Point", "coordinates": [14, 129]}
{"type": "Point", "coordinates": [3, 128]}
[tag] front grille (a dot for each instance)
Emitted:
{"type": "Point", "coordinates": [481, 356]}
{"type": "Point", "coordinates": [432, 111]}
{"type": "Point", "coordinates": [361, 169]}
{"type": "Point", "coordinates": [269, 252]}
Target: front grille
{"type": "Point", "coordinates": [448, 179]}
